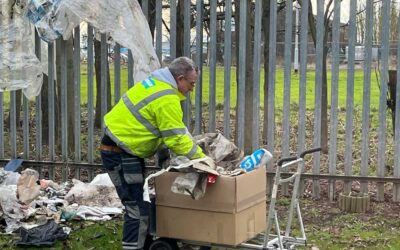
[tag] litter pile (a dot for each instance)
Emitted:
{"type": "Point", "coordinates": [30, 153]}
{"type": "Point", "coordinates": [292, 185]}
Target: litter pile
{"type": "Point", "coordinates": [27, 203]}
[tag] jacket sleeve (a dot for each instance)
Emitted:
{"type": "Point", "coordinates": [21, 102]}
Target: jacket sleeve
{"type": "Point", "coordinates": [174, 133]}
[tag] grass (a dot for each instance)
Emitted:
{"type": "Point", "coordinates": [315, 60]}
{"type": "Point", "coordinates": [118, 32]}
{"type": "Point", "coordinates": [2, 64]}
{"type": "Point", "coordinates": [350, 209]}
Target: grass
{"type": "Point", "coordinates": [84, 235]}
{"type": "Point", "coordinates": [279, 93]}
{"type": "Point", "coordinates": [326, 228]}
{"type": "Point", "coordinates": [376, 229]}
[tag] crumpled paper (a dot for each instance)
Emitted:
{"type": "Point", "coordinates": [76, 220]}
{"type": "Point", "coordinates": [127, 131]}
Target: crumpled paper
{"type": "Point", "coordinates": [193, 184]}
{"type": "Point", "coordinates": [224, 152]}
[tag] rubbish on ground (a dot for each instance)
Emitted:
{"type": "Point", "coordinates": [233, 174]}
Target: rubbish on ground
{"type": "Point", "coordinates": [49, 183]}
{"type": "Point", "coordinates": [97, 213]}
{"type": "Point", "coordinates": [96, 201]}
{"type": "Point", "coordinates": [13, 165]}
{"type": "Point", "coordinates": [44, 235]}
{"type": "Point", "coordinates": [11, 209]}
{"type": "Point", "coordinates": [27, 187]}
{"type": "Point", "coordinates": [88, 194]}
{"type": "Point", "coordinates": [8, 178]}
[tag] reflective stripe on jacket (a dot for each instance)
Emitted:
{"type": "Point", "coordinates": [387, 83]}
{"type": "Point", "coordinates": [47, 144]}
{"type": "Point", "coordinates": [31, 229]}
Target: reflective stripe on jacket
{"type": "Point", "coordinates": [148, 115]}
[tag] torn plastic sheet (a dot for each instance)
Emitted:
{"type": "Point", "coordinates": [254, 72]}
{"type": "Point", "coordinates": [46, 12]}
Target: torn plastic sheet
{"type": "Point", "coordinates": [97, 213]}
{"type": "Point", "coordinates": [123, 20]}
{"type": "Point", "coordinates": [8, 177]}
{"type": "Point", "coordinates": [12, 210]}
{"type": "Point", "coordinates": [19, 66]}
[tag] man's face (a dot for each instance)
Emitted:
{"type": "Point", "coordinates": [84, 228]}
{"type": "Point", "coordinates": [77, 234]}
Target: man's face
{"type": "Point", "coordinates": [187, 83]}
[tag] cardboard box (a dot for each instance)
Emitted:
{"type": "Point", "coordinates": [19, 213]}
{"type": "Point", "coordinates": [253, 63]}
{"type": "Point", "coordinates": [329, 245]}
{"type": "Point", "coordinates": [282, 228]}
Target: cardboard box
{"type": "Point", "coordinates": [211, 227]}
{"type": "Point", "coordinates": [228, 194]}
{"type": "Point", "coordinates": [232, 211]}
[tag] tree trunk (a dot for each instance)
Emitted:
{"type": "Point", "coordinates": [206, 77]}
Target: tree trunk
{"type": "Point", "coordinates": [99, 94]}
{"type": "Point", "coordinates": [18, 98]}
{"type": "Point", "coordinates": [70, 94]}
{"type": "Point", "coordinates": [248, 74]}
{"type": "Point", "coordinates": [249, 80]}
{"type": "Point", "coordinates": [180, 28]}
{"type": "Point", "coordinates": [45, 113]}
{"type": "Point", "coordinates": [324, 104]}
{"type": "Point", "coordinates": [151, 15]}
{"type": "Point", "coordinates": [58, 91]}
{"type": "Point", "coordinates": [265, 27]}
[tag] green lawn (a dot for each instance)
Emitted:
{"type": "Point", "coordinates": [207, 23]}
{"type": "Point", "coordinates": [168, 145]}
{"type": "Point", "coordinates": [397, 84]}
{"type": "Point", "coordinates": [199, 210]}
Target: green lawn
{"type": "Point", "coordinates": [358, 87]}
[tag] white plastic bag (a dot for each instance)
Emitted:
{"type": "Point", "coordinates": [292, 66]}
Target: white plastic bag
{"type": "Point", "coordinates": [19, 66]}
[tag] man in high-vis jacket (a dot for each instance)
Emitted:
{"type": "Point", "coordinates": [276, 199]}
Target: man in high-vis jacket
{"type": "Point", "coordinates": [147, 117]}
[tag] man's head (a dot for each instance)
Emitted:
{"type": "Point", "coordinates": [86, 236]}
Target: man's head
{"type": "Point", "coordinates": [185, 73]}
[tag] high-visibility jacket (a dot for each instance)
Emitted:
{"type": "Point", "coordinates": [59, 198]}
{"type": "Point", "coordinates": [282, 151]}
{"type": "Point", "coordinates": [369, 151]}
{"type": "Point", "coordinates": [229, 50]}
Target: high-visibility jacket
{"type": "Point", "coordinates": [147, 116]}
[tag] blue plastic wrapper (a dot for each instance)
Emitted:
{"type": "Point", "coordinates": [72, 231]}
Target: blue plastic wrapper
{"type": "Point", "coordinates": [258, 158]}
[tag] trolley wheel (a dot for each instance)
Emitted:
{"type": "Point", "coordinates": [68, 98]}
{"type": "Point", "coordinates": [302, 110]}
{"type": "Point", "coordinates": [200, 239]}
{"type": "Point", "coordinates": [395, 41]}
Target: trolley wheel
{"type": "Point", "coordinates": [164, 244]}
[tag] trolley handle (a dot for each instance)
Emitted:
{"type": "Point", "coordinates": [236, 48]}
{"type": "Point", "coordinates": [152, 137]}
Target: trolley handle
{"type": "Point", "coordinates": [313, 150]}
{"type": "Point", "coordinates": [291, 158]}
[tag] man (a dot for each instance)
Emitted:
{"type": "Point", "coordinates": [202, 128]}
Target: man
{"type": "Point", "coordinates": [148, 116]}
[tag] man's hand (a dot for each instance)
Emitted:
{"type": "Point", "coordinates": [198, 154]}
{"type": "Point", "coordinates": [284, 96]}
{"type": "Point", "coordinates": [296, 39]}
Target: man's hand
{"type": "Point", "coordinates": [163, 157]}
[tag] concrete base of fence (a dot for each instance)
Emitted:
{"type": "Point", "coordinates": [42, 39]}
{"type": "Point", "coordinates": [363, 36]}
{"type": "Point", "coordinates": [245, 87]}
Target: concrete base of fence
{"type": "Point", "coordinates": [355, 203]}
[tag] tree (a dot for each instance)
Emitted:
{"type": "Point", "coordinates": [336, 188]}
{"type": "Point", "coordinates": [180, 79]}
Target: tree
{"type": "Point", "coordinates": [324, 95]}
{"type": "Point", "coordinates": [99, 94]}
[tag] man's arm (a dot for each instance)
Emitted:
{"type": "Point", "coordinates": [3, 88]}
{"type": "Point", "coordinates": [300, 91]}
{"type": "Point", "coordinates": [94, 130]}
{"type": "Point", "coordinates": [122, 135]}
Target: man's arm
{"type": "Point", "coordinates": [173, 131]}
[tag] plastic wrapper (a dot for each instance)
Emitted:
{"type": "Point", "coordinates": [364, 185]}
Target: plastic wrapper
{"type": "Point", "coordinates": [258, 158]}
{"type": "Point", "coordinates": [19, 66]}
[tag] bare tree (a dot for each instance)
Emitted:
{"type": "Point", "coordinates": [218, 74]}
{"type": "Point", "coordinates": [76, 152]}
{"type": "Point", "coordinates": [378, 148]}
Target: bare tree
{"type": "Point", "coordinates": [99, 94]}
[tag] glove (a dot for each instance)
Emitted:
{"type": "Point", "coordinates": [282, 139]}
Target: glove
{"type": "Point", "coordinates": [163, 157]}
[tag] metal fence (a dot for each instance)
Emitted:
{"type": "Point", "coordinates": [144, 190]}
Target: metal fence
{"type": "Point", "coordinates": [290, 123]}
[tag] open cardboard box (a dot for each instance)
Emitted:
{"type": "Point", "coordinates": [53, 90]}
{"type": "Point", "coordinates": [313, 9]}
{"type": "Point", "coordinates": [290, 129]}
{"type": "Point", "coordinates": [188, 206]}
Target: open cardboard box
{"type": "Point", "coordinates": [232, 211]}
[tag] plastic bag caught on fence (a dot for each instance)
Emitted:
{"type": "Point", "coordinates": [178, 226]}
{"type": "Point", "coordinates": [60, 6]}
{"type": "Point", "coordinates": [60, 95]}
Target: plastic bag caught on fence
{"type": "Point", "coordinates": [51, 21]}
{"type": "Point", "coordinates": [122, 20]}
{"type": "Point", "coordinates": [19, 66]}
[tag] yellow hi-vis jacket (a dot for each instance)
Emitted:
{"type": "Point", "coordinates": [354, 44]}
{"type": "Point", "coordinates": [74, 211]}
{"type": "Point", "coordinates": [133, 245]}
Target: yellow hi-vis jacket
{"type": "Point", "coordinates": [148, 115]}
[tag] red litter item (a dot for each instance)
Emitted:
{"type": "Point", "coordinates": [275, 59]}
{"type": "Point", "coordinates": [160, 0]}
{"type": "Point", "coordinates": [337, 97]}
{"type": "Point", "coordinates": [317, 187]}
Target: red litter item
{"type": "Point", "coordinates": [211, 178]}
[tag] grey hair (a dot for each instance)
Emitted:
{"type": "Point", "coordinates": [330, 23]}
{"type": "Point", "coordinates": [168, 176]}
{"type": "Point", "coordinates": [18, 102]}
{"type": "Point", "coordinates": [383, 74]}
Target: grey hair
{"type": "Point", "coordinates": [182, 66]}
